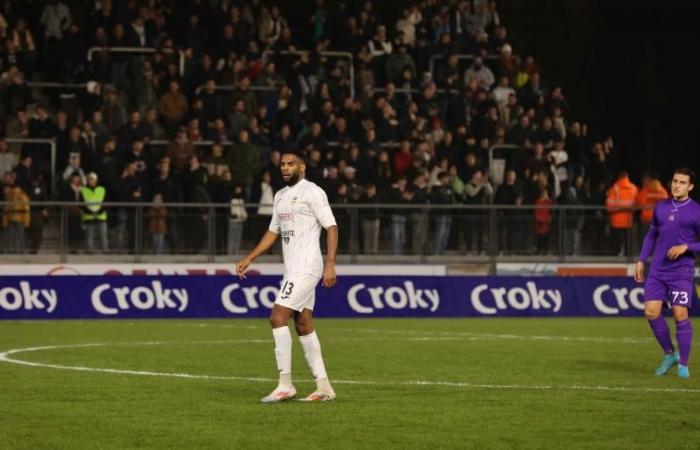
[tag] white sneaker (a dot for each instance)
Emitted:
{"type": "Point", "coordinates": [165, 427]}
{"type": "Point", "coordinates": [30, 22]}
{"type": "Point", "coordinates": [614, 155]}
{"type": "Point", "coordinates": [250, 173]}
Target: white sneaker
{"type": "Point", "coordinates": [320, 396]}
{"type": "Point", "coordinates": [280, 394]}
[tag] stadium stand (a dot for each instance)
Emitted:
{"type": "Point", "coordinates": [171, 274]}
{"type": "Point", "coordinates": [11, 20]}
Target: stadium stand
{"type": "Point", "coordinates": [194, 105]}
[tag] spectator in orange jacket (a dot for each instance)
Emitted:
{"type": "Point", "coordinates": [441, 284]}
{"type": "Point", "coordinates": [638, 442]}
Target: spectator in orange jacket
{"type": "Point", "coordinates": [651, 193]}
{"type": "Point", "coordinates": [620, 205]}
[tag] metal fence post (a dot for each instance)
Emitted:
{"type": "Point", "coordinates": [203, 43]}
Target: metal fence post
{"type": "Point", "coordinates": [63, 230]}
{"type": "Point", "coordinates": [354, 244]}
{"type": "Point", "coordinates": [138, 233]}
{"type": "Point", "coordinates": [562, 234]}
{"type": "Point", "coordinates": [628, 247]}
{"type": "Point", "coordinates": [425, 218]}
{"type": "Point", "coordinates": [52, 149]}
{"type": "Point", "coordinates": [211, 240]}
{"type": "Point", "coordinates": [493, 237]}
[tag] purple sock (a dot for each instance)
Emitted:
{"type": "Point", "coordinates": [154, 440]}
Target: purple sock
{"type": "Point", "coordinates": [662, 333]}
{"type": "Point", "coordinates": [684, 335]}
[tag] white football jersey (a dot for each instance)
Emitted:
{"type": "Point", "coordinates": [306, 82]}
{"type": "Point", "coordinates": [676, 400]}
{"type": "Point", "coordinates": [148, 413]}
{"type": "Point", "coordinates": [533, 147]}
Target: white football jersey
{"type": "Point", "coordinates": [298, 213]}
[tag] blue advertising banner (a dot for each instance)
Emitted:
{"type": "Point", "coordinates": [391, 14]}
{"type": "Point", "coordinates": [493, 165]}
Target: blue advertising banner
{"type": "Point", "coordinates": [211, 296]}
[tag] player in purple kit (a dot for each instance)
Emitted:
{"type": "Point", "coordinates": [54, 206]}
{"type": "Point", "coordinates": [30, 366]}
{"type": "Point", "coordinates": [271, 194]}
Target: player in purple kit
{"type": "Point", "coordinates": [672, 239]}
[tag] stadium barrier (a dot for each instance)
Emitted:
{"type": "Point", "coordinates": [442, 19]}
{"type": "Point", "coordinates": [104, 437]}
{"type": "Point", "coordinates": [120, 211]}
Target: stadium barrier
{"type": "Point", "coordinates": [233, 87]}
{"type": "Point", "coordinates": [212, 296]}
{"type": "Point", "coordinates": [461, 57]}
{"type": "Point", "coordinates": [226, 269]}
{"type": "Point", "coordinates": [51, 143]}
{"type": "Point", "coordinates": [276, 54]}
{"type": "Point", "coordinates": [139, 51]}
{"type": "Point", "coordinates": [484, 234]}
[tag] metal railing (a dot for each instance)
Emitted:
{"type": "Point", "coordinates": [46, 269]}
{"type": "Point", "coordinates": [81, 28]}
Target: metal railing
{"type": "Point", "coordinates": [233, 87]}
{"type": "Point", "coordinates": [497, 166]}
{"type": "Point", "coordinates": [137, 50]}
{"type": "Point", "coordinates": [460, 56]}
{"type": "Point", "coordinates": [484, 234]}
{"type": "Point", "coordinates": [387, 144]}
{"type": "Point", "coordinates": [195, 143]}
{"type": "Point", "coordinates": [333, 54]}
{"type": "Point", "coordinates": [416, 90]}
{"type": "Point", "coordinates": [52, 149]}
{"type": "Point", "coordinates": [55, 85]}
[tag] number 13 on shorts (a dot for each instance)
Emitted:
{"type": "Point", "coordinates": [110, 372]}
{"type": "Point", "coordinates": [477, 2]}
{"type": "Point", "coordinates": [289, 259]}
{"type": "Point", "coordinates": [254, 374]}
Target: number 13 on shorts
{"type": "Point", "coordinates": [286, 290]}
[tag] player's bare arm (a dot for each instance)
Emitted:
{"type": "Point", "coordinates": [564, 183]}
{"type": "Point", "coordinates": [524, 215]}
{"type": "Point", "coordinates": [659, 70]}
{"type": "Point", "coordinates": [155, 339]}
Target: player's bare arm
{"type": "Point", "coordinates": [639, 272]}
{"type": "Point", "coordinates": [329, 278]}
{"type": "Point", "coordinates": [266, 242]}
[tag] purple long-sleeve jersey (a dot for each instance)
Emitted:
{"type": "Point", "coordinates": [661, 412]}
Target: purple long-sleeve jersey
{"type": "Point", "coordinates": [673, 223]}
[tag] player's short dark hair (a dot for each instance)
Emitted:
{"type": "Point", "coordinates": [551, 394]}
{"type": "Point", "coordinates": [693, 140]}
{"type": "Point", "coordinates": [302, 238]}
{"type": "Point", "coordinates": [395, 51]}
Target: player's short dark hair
{"type": "Point", "coordinates": [298, 153]}
{"type": "Point", "coordinates": [686, 171]}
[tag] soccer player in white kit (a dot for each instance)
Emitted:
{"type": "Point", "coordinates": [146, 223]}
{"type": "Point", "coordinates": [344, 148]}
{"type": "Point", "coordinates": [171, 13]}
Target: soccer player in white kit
{"type": "Point", "coordinates": [299, 211]}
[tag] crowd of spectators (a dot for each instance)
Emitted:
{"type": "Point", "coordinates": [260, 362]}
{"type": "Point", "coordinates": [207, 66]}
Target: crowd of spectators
{"type": "Point", "coordinates": [234, 74]}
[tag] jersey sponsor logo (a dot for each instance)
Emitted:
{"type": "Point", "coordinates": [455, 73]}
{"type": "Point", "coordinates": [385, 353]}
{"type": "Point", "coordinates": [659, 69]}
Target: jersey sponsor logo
{"type": "Point", "coordinates": [610, 301]}
{"type": "Point", "coordinates": [366, 300]}
{"type": "Point", "coordinates": [24, 297]}
{"type": "Point", "coordinates": [285, 216]}
{"type": "Point", "coordinates": [287, 235]}
{"type": "Point", "coordinates": [490, 300]}
{"type": "Point", "coordinates": [109, 301]}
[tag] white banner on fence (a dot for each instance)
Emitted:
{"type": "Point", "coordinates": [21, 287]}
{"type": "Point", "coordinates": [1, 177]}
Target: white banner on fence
{"type": "Point", "coordinates": [210, 269]}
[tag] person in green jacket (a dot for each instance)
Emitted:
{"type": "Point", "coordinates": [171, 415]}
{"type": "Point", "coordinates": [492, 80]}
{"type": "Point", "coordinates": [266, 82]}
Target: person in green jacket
{"type": "Point", "coordinates": [94, 215]}
{"type": "Point", "coordinates": [244, 160]}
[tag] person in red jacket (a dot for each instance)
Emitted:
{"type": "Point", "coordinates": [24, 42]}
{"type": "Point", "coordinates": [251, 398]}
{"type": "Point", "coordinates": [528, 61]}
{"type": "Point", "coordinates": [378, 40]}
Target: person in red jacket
{"type": "Point", "coordinates": [403, 158]}
{"type": "Point", "coordinates": [543, 220]}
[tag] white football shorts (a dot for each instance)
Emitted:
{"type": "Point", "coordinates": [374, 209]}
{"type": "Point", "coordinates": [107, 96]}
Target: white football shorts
{"type": "Point", "coordinates": [298, 291]}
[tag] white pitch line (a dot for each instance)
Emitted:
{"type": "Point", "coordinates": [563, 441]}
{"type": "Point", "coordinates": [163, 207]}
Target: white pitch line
{"type": "Point", "coordinates": [450, 335]}
{"type": "Point", "coordinates": [454, 335]}
{"type": "Point", "coordinates": [432, 335]}
{"type": "Point", "coordinates": [5, 357]}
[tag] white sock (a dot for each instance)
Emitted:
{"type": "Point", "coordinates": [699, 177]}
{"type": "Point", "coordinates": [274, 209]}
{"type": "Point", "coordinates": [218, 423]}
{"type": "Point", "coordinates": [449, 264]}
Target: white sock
{"type": "Point", "coordinates": [312, 352]}
{"type": "Point", "coordinates": [283, 354]}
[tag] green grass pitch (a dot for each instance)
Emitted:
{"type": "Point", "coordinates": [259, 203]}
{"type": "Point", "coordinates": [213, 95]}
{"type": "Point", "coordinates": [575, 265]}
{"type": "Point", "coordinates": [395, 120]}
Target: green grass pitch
{"type": "Point", "coordinates": [401, 383]}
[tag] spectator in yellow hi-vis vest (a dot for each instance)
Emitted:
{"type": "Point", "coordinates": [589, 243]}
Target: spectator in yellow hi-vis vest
{"type": "Point", "coordinates": [15, 218]}
{"type": "Point", "coordinates": [92, 198]}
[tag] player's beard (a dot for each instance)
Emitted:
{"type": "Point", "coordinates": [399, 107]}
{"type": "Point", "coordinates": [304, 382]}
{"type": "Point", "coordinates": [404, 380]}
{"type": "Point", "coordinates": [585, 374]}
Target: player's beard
{"type": "Point", "coordinates": [293, 179]}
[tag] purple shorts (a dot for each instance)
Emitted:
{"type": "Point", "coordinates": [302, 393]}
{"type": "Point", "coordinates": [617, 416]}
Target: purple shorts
{"type": "Point", "coordinates": [675, 292]}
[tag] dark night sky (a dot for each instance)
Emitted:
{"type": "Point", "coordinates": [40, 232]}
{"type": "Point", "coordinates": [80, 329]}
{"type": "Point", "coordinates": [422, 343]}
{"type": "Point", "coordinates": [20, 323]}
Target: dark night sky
{"type": "Point", "coordinates": [627, 68]}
